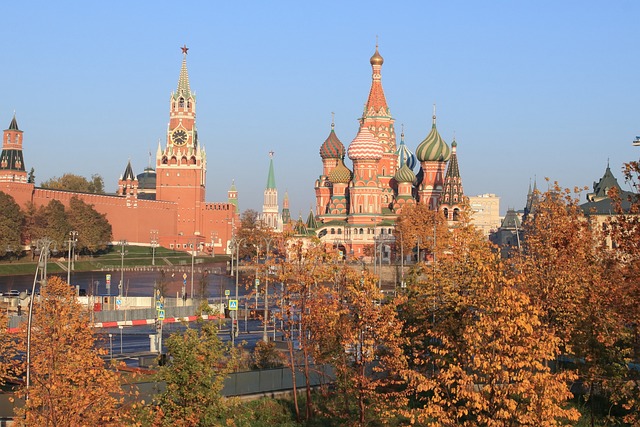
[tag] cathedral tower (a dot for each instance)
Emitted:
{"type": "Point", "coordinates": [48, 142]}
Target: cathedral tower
{"type": "Point", "coordinates": [452, 198]}
{"type": "Point", "coordinates": [377, 118]}
{"type": "Point", "coordinates": [433, 154]}
{"type": "Point", "coordinates": [181, 166]}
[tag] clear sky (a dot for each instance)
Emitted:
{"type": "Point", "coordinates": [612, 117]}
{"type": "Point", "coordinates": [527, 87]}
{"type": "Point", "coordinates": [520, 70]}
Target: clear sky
{"type": "Point", "coordinates": [529, 88]}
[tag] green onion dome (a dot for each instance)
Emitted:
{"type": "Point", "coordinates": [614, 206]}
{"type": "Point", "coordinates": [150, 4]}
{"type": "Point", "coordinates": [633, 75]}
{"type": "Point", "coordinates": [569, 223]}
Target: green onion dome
{"type": "Point", "coordinates": [433, 148]}
{"type": "Point", "coordinates": [340, 174]}
{"type": "Point", "coordinates": [404, 174]}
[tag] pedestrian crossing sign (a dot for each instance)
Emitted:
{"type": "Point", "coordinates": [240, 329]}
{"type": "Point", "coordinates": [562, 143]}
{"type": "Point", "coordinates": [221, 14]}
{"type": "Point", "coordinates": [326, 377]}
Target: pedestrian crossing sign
{"type": "Point", "coordinates": [233, 304]}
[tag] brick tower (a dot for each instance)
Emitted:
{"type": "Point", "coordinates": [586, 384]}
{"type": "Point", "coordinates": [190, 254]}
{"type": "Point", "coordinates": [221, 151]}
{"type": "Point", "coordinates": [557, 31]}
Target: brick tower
{"type": "Point", "coordinates": [11, 160]}
{"type": "Point", "coordinates": [181, 166]}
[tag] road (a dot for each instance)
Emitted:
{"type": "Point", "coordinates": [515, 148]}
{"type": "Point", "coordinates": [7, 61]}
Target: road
{"type": "Point", "coordinates": [135, 339]}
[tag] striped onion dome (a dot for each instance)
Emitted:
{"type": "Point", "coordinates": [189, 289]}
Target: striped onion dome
{"type": "Point", "coordinates": [340, 174]}
{"type": "Point", "coordinates": [332, 148]}
{"type": "Point", "coordinates": [404, 174]}
{"type": "Point", "coordinates": [365, 146]}
{"type": "Point", "coordinates": [433, 148]}
{"type": "Point", "coordinates": [405, 156]}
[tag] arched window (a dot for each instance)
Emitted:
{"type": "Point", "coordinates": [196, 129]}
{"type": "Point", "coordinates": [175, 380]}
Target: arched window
{"type": "Point", "coordinates": [339, 230]}
{"type": "Point", "coordinates": [188, 104]}
{"type": "Point", "coordinates": [333, 231]}
{"type": "Point", "coordinates": [361, 231]}
{"type": "Point", "coordinates": [193, 160]}
{"type": "Point", "coordinates": [456, 214]}
{"type": "Point", "coordinates": [181, 103]}
{"type": "Point", "coordinates": [445, 211]}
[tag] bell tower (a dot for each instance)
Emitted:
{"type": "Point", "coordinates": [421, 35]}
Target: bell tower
{"type": "Point", "coordinates": [181, 166]}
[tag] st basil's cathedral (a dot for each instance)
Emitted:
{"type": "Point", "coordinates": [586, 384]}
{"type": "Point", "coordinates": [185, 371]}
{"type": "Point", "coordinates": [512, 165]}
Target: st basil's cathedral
{"type": "Point", "coordinates": [354, 208]}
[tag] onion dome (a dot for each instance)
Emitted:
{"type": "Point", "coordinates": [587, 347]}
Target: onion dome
{"type": "Point", "coordinates": [433, 148]}
{"type": "Point", "coordinates": [332, 148]}
{"type": "Point", "coordinates": [404, 174]}
{"type": "Point", "coordinates": [405, 156]}
{"type": "Point", "coordinates": [365, 146]}
{"type": "Point", "coordinates": [340, 174]}
{"type": "Point", "coordinates": [376, 59]}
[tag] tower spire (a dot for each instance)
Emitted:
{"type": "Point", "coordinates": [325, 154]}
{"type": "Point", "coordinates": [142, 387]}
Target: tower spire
{"type": "Point", "coordinates": [183, 81]}
{"type": "Point", "coordinates": [271, 178]}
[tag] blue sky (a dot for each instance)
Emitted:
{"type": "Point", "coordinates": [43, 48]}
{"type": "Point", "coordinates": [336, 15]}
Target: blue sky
{"type": "Point", "coordinates": [530, 88]}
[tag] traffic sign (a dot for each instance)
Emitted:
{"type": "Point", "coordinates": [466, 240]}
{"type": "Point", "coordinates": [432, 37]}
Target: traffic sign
{"type": "Point", "coordinates": [184, 276]}
{"type": "Point", "coordinates": [227, 292]}
{"type": "Point", "coordinates": [118, 303]}
{"type": "Point", "coordinates": [233, 304]}
{"type": "Point", "coordinates": [108, 279]}
{"type": "Point", "coordinates": [159, 305]}
{"type": "Point", "coordinates": [160, 314]}
{"type": "Point", "coordinates": [257, 282]}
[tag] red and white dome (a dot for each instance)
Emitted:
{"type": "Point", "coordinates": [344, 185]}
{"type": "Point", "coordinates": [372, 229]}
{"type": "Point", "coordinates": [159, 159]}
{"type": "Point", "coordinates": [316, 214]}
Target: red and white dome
{"type": "Point", "coordinates": [365, 146]}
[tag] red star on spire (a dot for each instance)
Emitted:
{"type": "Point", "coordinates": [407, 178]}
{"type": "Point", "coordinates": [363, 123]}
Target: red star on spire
{"type": "Point", "coordinates": [184, 49]}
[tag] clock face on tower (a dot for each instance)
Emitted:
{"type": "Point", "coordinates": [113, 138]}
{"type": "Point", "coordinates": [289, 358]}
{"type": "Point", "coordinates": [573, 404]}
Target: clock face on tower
{"type": "Point", "coordinates": [179, 137]}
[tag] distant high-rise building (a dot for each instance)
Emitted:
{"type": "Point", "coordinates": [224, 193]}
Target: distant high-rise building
{"type": "Point", "coordinates": [485, 212]}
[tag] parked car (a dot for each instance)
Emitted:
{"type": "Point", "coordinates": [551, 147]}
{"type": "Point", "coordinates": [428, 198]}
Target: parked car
{"type": "Point", "coordinates": [13, 293]}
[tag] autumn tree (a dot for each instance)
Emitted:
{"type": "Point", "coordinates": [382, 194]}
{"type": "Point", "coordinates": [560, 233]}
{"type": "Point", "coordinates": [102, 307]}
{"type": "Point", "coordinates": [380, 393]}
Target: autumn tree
{"type": "Point", "coordinates": [11, 218]}
{"type": "Point", "coordinates": [70, 384]}
{"type": "Point", "coordinates": [623, 232]}
{"type": "Point", "coordinates": [302, 276]}
{"type": "Point", "coordinates": [76, 183]}
{"type": "Point", "coordinates": [94, 230]}
{"type": "Point", "coordinates": [194, 377]}
{"type": "Point", "coordinates": [478, 352]}
{"type": "Point", "coordinates": [422, 231]}
{"type": "Point", "coordinates": [9, 361]}
{"type": "Point", "coordinates": [368, 386]}
{"type": "Point", "coordinates": [567, 272]}
{"type": "Point", "coordinates": [51, 221]}
{"type": "Point", "coordinates": [253, 231]}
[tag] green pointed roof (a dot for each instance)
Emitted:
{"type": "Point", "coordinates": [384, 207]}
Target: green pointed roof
{"type": "Point", "coordinates": [311, 221]}
{"type": "Point", "coordinates": [271, 178]}
{"type": "Point", "coordinates": [183, 81]}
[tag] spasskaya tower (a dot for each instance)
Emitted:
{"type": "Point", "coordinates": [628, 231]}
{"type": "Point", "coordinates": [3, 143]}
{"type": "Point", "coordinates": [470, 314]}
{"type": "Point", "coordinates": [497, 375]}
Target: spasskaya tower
{"type": "Point", "coordinates": [181, 167]}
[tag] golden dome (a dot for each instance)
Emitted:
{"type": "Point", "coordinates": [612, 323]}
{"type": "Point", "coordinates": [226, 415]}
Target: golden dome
{"type": "Point", "coordinates": [376, 59]}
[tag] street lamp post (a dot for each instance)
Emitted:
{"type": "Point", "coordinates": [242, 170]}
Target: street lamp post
{"type": "Point", "coordinates": [193, 257]}
{"type": "Point", "coordinates": [265, 338]}
{"type": "Point", "coordinates": [72, 243]}
{"type": "Point", "coordinates": [111, 346]}
{"type": "Point", "coordinates": [43, 245]}
{"type": "Point", "coordinates": [122, 244]}
{"type": "Point", "coordinates": [154, 245]}
{"type": "Point", "coordinates": [234, 318]}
